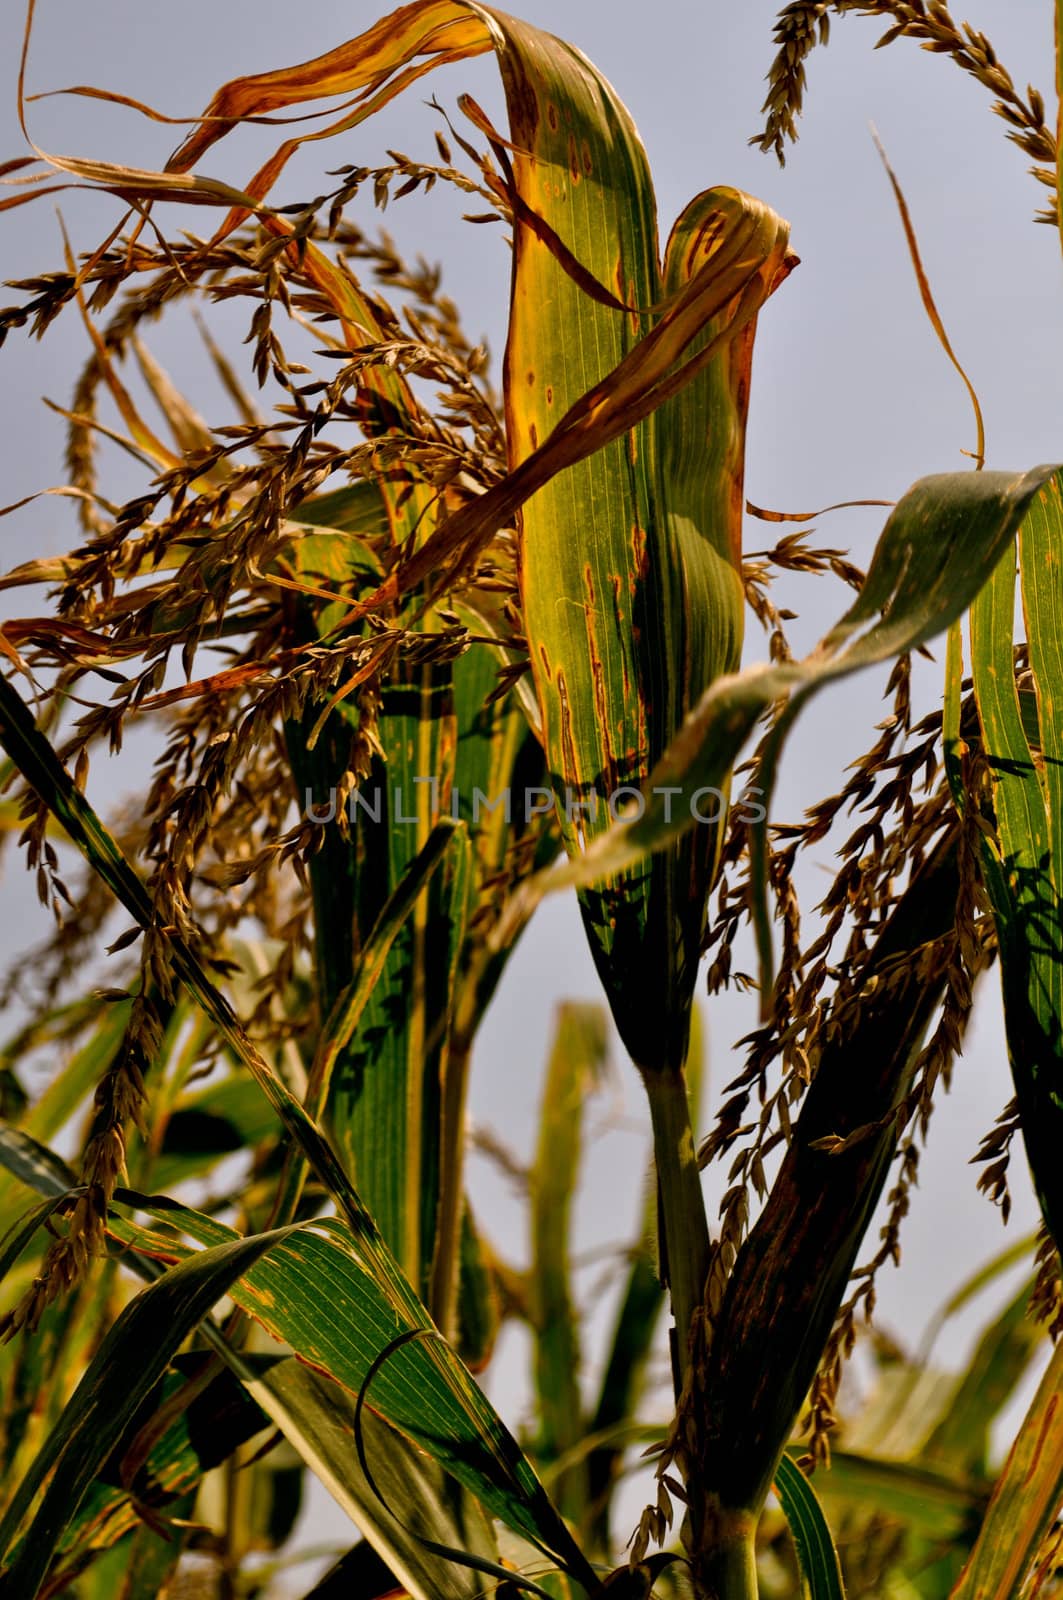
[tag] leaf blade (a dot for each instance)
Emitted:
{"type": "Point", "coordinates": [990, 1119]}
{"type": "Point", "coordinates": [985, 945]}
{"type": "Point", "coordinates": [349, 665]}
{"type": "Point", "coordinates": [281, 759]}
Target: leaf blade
{"type": "Point", "coordinates": [821, 1575]}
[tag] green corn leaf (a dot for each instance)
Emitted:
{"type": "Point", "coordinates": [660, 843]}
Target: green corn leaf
{"type": "Point", "coordinates": [162, 1456]}
{"type": "Point", "coordinates": [70, 1086]}
{"type": "Point", "coordinates": [391, 1166]}
{"type": "Point", "coordinates": [615, 573]}
{"type": "Point", "coordinates": [1024, 859]}
{"type": "Point", "coordinates": [393, 1093]}
{"type": "Point", "coordinates": [629, 561]}
{"type": "Point", "coordinates": [385, 1107]}
{"type": "Point", "coordinates": [395, 1301]}
{"type": "Point", "coordinates": [150, 1561]}
{"type": "Point", "coordinates": [939, 1505]}
{"type": "Point", "coordinates": [40, 1372]}
{"type": "Point", "coordinates": [577, 1058]}
{"type": "Point", "coordinates": [377, 1077]}
{"type": "Point", "coordinates": [317, 1417]}
{"type": "Point", "coordinates": [33, 1163]}
{"type": "Point", "coordinates": [479, 1311]}
{"type": "Point", "coordinates": [394, 1096]}
{"type": "Point", "coordinates": [498, 764]}
{"type": "Point", "coordinates": [125, 1368]}
{"type": "Point", "coordinates": [1025, 1502]}
{"type": "Point", "coordinates": [22, 1232]}
{"type": "Point", "coordinates": [423, 1390]}
{"type": "Point", "coordinates": [940, 545]}
{"type": "Point", "coordinates": [137, 1567]}
{"type": "Point", "coordinates": [632, 1338]}
{"type": "Point", "coordinates": [358, 511]}
{"type": "Point", "coordinates": [821, 1575]}
{"type": "Point", "coordinates": [998, 1364]}
{"type": "Point", "coordinates": [497, 761]}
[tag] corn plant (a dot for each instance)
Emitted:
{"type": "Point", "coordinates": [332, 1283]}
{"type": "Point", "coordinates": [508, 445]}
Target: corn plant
{"type": "Point", "coordinates": [412, 664]}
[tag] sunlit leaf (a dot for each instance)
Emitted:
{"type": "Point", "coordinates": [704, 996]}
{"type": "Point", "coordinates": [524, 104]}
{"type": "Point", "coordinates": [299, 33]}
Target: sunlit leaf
{"type": "Point", "coordinates": [821, 1577]}
{"type": "Point", "coordinates": [939, 547]}
{"type": "Point", "coordinates": [125, 1368]}
{"type": "Point", "coordinates": [422, 1390]}
{"type": "Point", "coordinates": [1024, 858]}
{"type": "Point", "coordinates": [1025, 1502]}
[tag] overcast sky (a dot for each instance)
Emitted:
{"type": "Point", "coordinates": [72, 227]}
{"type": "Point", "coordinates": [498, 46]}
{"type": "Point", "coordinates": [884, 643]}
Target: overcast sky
{"type": "Point", "coordinates": [852, 398]}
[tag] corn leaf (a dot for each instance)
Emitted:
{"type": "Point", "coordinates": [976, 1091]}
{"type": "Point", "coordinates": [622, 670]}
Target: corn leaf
{"type": "Point", "coordinates": [497, 762]}
{"type": "Point", "coordinates": [38, 1374]}
{"type": "Point", "coordinates": [940, 545]}
{"type": "Point", "coordinates": [821, 1576]}
{"type": "Point", "coordinates": [385, 1105]}
{"type": "Point", "coordinates": [938, 1504]}
{"type": "Point", "coordinates": [1018, 1250]}
{"type": "Point", "coordinates": [315, 1416]}
{"type": "Point", "coordinates": [577, 1057]}
{"type": "Point", "coordinates": [318, 1418]}
{"type": "Point", "coordinates": [998, 1363]}
{"type": "Point", "coordinates": [393, 1093]}
{"type": "Point", "coordinates": [634, 1330]}
{"type": "Point", "coordinates": [123, 1372]}
{"type": "Point", "coordinates": [162, 1455]}
{"type": "Point", "coordinates": [517, 1494]}
{"type": "Point", "coordinates": [432, 1401]}
{"type": "Point", "coordinates": [148, 1561]}
{"type": "Point", "coordinates": [1025, 1502]}
{"type": "Point", "coordinates": [1024, 858]}
{"type": "Point", "coordinates": [22, 1232]}
{"type": "Point", "coordinates": [630, 560]}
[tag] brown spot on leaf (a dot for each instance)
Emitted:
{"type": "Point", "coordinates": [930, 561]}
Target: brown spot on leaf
{"type": "Point", "coordinates": [531, 380]}
{"type": "Point", "coordinates": [545, 659]}
{"type": "Point", "coordinates": [549, 395]}
{"type": "Point", "coordinates": [620, 626]}
{"type": "Point", "coordinates": [552, 117]}
{"type": "Point", "coordinates": [601, 706]}
{"type": "Point", "coordinates": [533, 435]}
{"type": "Point", "coordinates": [585, 152]}
{"type": "Point", "coordinates": [569, 764]}
{"type": "Point", "coordinates": [524, 110]}
{"type": "Point", "coordinates": [573, 160]}
{"type": "Point", "coordinates": [639, 557]}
